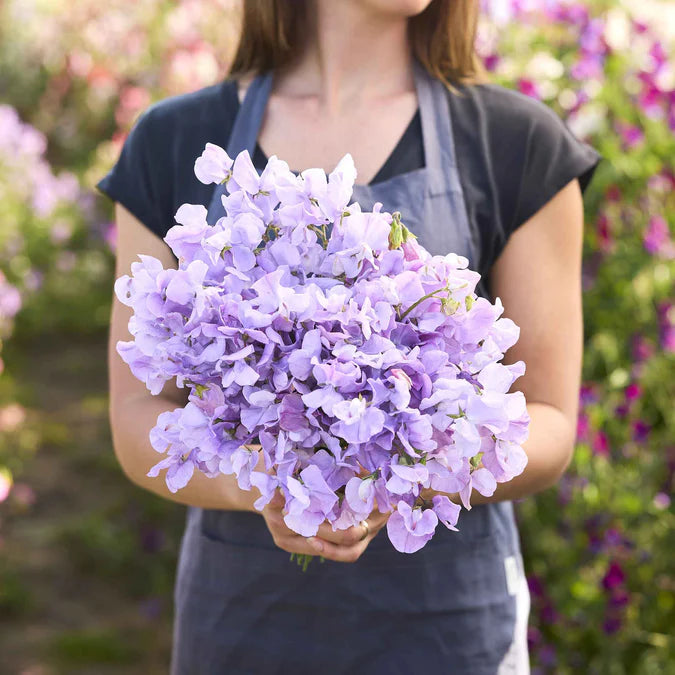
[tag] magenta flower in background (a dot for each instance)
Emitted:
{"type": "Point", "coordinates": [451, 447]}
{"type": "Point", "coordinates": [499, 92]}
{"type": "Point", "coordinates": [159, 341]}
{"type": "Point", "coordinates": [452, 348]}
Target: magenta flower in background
{"type": "Point", "coordinates": [631, 135]}
{"type": "Point", "coordinates": [583, 426]}
{"type": "Point", "coordinates": [633, 392]}
{"type": "Point", "coordinates": [600, 444]}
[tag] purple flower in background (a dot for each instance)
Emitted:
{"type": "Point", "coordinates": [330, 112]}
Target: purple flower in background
{"type": "Point", "coordinates": [613, 577]}
{"type": "Point", "coordinates": [600, 444]}
{"type": "Point", "coordinates": [640, 430]}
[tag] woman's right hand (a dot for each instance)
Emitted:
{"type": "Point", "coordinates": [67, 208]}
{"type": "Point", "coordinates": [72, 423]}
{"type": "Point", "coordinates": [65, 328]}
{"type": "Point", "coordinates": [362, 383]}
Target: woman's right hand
{"type": "Point", "coordinates": [341, 545]}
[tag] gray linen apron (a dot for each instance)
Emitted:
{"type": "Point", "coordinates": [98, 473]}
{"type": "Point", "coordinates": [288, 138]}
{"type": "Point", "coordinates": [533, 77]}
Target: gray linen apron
{"type": "Point", "coordinates": [242, 607]}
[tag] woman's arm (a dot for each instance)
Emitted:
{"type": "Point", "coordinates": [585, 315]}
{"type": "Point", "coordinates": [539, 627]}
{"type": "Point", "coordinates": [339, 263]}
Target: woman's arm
{"type": "Point", "coordinates": [134, 410]}
{"type": "Point", "coordinates": [538, 278]}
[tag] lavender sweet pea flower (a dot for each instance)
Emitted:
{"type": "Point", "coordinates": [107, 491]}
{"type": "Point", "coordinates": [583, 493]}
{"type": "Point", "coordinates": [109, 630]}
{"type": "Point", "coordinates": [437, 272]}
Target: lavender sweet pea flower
{"type": "Point", "coordinates": [358, 422]}
{"type": "Point", "coordinates": [165, 438]}
{"type": "Point", "coordinates": [301, 361]}
{"type": "Point", "coordinates": [185, 239]}
{"type": "Point", "coordinates": [360, 495]}
{"type": "Point", "coordinates": [267, 485]}
{"type": "Point", "coordinates": [505, 460]}
{"type": "Point", "coordinates": [213, 166]}
{"type": "Point", "coordinates": [446, 510]}
{"type": "Point", "coordinates": [483, 481]}
{"type": "Point", "coordinates": [339, 188]}
{"type": "Point", "coordinates": [409, 529]}
{"type": "Point", "coordinates": [324, 397]}
{"type": "Point", "coordinates": [498, 377]}
{"type": "Point", "coordinates": [413, 251]}
{"type": "Point", "coordinates": [292, 413]}
{"type": "Point", "coordinates": [309, 503]}
{"type": "Point", "coordinates": [370, 229]}
{"type": "Point", "coordinates": [406, 479]}
{"type": "Point", "coordinates": [244, 175]}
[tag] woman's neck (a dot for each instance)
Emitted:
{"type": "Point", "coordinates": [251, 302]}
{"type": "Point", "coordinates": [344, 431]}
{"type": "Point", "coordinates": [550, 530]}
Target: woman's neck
{"type": "Point", "coordinates": [355, 53]}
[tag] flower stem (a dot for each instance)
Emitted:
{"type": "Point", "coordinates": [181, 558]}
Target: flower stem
{"type": "Point", "coordinates": [422, 299]}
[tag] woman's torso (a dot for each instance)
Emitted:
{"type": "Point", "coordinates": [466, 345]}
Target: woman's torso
{"type": "Point", "coordinates": [237, 587]}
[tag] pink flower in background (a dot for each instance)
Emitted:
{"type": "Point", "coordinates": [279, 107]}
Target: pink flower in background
{"type": "Point", "coordinates": [10, 299]}
{"type": "Point", "coordinates": [614, 576]}
{"type": "Point", "coordinates": [110, 236]}
{"type": "Point", "coordinates": [5, 483]}
{"type": "Point", "coordinates": [60, 231]}
{"type": "Point", "coordinates": [651, 99]}
{"type": "Point", "coordinates": [605, 239]}
{"type": "Point", "coordinates": [642, 348]}
{"type": "Point", "coordinates": [659, 56]}
{"type": "Point", "coordinates": [583, 427]}
{"type": "Point", "coordinates": [12, 416]}
{"type": "Point", "coordinates": [666, 315]}
{"type": "Point", "coordinates": [23, 495]}
{"type": "Point", "coordinates": [631, 134]}
{"type": "Point", "coordinates": [529, 87]}
{"type": "Point", "coordinates": [657, 237]}
{"type": "Point", "coordinates": [633, 392]}
{"type": "Point", "coordinates": [600, 444]}
{"type": "Point", "coordinates": [661, 500]}
{"type": "Point", "coordinates": [613, 193]}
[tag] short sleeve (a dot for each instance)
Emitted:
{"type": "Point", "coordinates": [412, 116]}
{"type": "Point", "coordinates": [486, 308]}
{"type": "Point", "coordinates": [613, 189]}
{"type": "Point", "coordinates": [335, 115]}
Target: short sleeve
{"type": "Point", "coordinates": [553, 157]}
{"type": "Point", "coordinates": [139, 179]}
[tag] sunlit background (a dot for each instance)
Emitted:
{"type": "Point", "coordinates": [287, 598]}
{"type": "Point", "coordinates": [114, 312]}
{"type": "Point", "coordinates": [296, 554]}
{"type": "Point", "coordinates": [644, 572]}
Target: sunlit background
{"type": "Point", "coordinates": [87, 560]}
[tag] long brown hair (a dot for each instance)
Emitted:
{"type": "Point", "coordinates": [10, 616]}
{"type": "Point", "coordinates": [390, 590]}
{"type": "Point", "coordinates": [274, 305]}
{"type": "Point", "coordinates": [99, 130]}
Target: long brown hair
{"type": "Point", "coordinates": [442, 38]}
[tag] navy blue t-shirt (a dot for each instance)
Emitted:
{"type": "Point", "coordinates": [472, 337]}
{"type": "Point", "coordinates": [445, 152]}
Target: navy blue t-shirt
{"type": "Point", "coordinates": [514, 153]}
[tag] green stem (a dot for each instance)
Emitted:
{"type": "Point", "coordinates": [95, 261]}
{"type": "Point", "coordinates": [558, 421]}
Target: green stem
{"type": "Point", "coordinates": [422, 299]}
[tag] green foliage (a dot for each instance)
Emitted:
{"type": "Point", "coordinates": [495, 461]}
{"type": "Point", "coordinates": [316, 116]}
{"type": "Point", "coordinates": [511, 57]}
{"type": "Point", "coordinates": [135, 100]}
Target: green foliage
{"type": "Point", "coordinates": [598, 547]}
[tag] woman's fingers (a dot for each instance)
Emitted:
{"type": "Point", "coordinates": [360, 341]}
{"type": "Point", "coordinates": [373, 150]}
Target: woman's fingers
{"type": "Point", "coordinates": [340, 553]}
{"type": "Point", "coordinates": [277, 502]}
{"type": "Point", "coordinates": [341, 545]}
{"type": "Point", "coordinates": [352, 535]}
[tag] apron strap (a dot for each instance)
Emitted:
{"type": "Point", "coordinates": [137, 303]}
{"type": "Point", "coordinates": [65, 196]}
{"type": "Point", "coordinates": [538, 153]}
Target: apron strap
{"type": "Point", "coordinates": [244, 133]}
{"type": "Point", "coordinates": [439, 147]}
{"type": "Point", "coordinates": [250, 115]}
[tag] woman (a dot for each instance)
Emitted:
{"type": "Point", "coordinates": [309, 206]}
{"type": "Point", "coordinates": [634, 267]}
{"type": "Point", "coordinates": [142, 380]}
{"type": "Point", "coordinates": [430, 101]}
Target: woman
{"type": "Point", "coordinates": [474, 168]}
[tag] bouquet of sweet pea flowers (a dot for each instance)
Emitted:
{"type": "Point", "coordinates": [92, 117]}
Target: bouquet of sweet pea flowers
{"type": "Point", "coordinates": [365, 368]}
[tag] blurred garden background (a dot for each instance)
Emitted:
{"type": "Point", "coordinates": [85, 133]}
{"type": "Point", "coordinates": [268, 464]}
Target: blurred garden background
{"type": "Point", "coordinates": [87, 560]}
